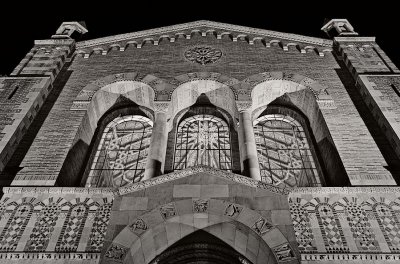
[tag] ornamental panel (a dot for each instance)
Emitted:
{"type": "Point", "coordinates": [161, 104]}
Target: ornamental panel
{"type": "Point", "coordinates": [203, 55]}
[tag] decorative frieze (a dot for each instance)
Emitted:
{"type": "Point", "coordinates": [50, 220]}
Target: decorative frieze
{"type": "Point", "coordinates": [342, 220]}
{"type": "Point", "coordinates": [197, 169]}
{"type": "Point", "coordinates": [58, 190]}
{"type": "Point", "coordinates": [50, 255]}
{"type": "Point", "coordinates": [47, 222]}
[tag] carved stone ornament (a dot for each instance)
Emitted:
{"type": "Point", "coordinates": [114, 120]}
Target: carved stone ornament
{"type": "Point", "coordinates": [116, 252]}
{"type": "Point", "coordinates": [261, 226]}
{"type": "Point", "coordinates": [200, 206]}
{"type": "Point", "coordinates": [233, 210]}
{"type": "Point", "coordinates": [168, 210]}
{"type": "Point", "coordinates": [283, 253]}
{"type": "Point", "coordinates": [203, 54]}
{"type": "Point", "coordinates": [138, 227]}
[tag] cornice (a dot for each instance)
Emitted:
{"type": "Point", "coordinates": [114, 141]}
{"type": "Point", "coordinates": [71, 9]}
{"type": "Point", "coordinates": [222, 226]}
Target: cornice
{"type": "Point", "coordinates": [354, 39]}
{"type": "Point", "coordinates": [208, 24]}
{"type": "Point", "coordinates": [58, 190]}
{"type": "Point", "coordinates": [344, 190]}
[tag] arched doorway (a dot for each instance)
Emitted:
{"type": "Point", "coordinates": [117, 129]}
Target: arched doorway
{"type": "Point", "coordinates": [200, 247]}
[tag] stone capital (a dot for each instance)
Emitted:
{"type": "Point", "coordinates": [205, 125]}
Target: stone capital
{"type": "Point", "coordinates": [161, 106]}
{"type": "Point", "coordinates": [243, 105]}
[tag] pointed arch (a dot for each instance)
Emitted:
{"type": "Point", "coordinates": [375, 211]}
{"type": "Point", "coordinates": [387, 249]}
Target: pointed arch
{"type": "Point", "coordinates": [178, 223]}
{"type": "Point", "coordinates": [328, 219]}
{"type": "Point", "coordinates": [285, 150]}
{"type": "Point", "coordinates": [203, 140]}
{"type": "Point", "coordinates": [21, 213]}
{"type": "Point", "coordinates": [72, 229]}
{"type": "Point", "coordinates": [100, 225]}
{"type": "Point", "coordinates": [302, 225]}
{"type": "Point", "coordinates": [120, 156]}
{"type": "Point", "coordinates": [50, 210]}
{"type": "Point", "coordinates": [308, 97]}
{"type": "Point", "coordinates": [218, 88]}
{"type": "Point", "coordinates": [357, 219]}
{"type": "Point", "coordinates": [100, 98]}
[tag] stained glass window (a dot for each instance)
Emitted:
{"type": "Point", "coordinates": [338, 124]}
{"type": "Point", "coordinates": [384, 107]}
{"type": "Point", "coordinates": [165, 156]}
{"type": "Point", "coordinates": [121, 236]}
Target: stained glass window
{"type": "Point", "coordinates": [284, 152]}
{"type": "Point", "coordinates": [203, 140]}
{"type": "Point", "coordinates": [120, 158]}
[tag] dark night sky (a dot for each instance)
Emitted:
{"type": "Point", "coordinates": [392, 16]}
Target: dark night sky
{"type": "Point", "coordinates": [20, 27]}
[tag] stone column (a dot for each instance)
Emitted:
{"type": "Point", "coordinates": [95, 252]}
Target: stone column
{"type": "Point", "coordinates": [247, 145]}
{"type": "Point", "coordinates": [158, 146]}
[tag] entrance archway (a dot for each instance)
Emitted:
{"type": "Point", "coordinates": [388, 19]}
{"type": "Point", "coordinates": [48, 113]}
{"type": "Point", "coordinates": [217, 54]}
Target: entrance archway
{"type": "Point", "coordinates": [241, 228]}
{"type": "Point", "coordinates": [200, 247]}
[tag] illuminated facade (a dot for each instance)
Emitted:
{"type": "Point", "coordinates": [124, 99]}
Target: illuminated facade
{"type": "Point", "coordinates": [201, 143]}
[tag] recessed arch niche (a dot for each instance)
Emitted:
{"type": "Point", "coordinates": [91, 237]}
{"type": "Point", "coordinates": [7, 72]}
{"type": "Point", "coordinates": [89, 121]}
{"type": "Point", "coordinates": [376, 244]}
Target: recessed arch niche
{"type": "Point", "coordinates": [303, 94]}
{"type": "Point", "coordinates": [102, 97]}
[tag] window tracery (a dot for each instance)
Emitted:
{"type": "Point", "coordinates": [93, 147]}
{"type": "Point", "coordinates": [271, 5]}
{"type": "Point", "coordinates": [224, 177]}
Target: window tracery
{"type": "Point", "coordinates": [284, 152]}
{"type": "Point", "coordinates": [203, 140]}
{"type": "Point", "coordinates": [121, 155]}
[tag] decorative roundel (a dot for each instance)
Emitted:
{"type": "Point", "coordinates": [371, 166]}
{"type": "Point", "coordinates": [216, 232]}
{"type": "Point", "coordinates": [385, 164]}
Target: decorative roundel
{"type": "Point", "coordinates": [203, 54]}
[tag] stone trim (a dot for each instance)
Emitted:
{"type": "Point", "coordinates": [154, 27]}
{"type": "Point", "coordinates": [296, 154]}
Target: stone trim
{"type": "Point", "coordinates": [66, 42]}
{"type": "Point", "coordinates": [198, 169]}
{"type": "Point", "coordinates": [120, 42]}
{"type": "Point", "coordinates": [351, 256]}
{"type": "Point", "coordinates": [204, 23]}
{"type": "Point", "coordinates": [58, 190]}
{"type": "Point", "coordinates": [355, 39]}
{"type": "Point", "coordinates": [343, 190]}
{"type": "Point", "coordinates": [51, 255]}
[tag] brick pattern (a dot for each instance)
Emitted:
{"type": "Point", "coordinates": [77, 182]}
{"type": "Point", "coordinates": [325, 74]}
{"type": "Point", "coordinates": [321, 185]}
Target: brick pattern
{"type": "Point", "coordinates": [361, 57]}
{"type": "Point", "coordinates": [60, 221]}
{"type": "Point", "coordinates": [46, 58]}
{"type": "Point", "coordinates": [20, 101]}
{"type": "Point", "coordinates": [60, 134]}
{"type": "Point", "coordinates": [380, 93]}
{"type": "Point", "coordinates": [366, 219]}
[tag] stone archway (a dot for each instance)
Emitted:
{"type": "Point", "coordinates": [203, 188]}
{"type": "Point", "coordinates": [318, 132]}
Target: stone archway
{"type": "Point", "coordinates": [242, 228]}
{"type": "Point", "coordinates": [218, 88]}
{"type": "Point", "coordinates": [201, 247]}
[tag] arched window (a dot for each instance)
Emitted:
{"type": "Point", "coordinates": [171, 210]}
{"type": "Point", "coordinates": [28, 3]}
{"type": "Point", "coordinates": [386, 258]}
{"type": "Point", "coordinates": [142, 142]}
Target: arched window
{"type": "Point", "coordinates": [203, 140]}
{"type": "Point", "coordinates": [121, 154]}
{"type": "Point", "coordinates": [284, 152]}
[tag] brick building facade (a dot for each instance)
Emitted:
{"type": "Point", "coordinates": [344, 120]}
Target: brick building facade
{"type": "Point", "coordinates": [201, 143]}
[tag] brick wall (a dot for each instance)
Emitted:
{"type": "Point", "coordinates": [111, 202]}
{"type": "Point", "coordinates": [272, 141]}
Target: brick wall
{"type": "Point", "coordinates": [240, 60]}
